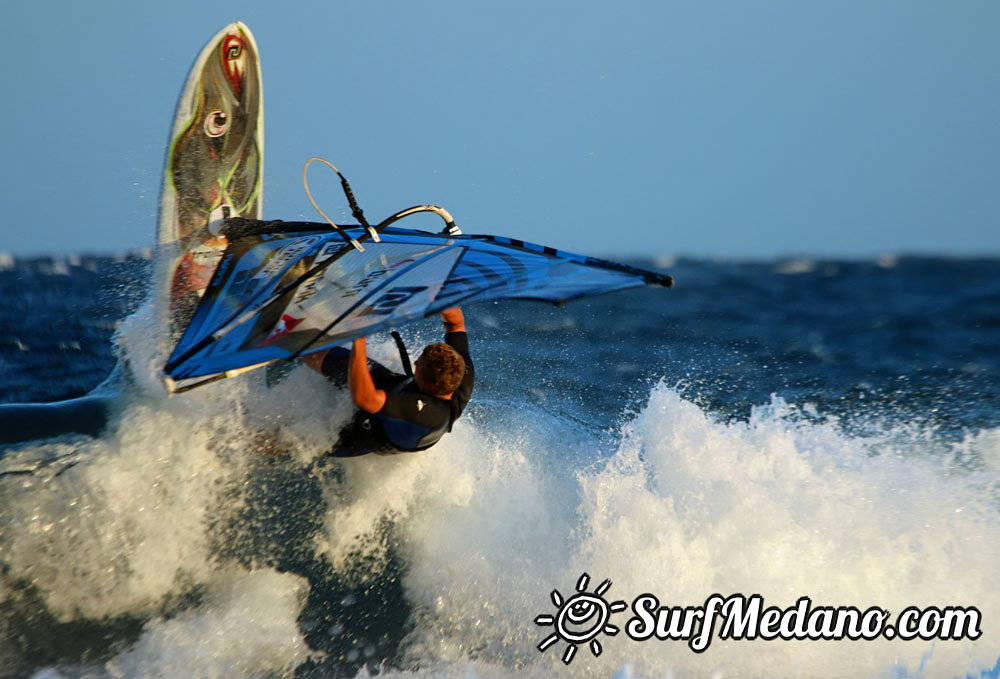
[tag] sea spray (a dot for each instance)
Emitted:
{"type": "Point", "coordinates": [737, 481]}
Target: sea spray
{"type": "Point", "coordinates": [245, 627]}
{"type": "Point", "coordinates": [782, 506]}
{"type": "Point", "coordinates": [438, 563]}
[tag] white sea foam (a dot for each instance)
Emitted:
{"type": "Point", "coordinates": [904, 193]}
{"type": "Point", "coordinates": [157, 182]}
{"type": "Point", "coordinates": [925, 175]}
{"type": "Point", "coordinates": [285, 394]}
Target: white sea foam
{"type": "Point", "coordinates": [128, 528]}
{"type": "Point", "coordinates": [795, 266]}
{"type": "Point", "coordinates": [245, 628]}
{"type": "Point", "coordinates": [689, 507]}
{"type": "Point", "coordinates": [506, 509]}
{"type": "Point", "coordinates": [126, 525]}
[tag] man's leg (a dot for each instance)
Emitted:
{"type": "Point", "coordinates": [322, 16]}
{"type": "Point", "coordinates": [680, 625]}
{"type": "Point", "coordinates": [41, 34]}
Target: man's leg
{"type": "Point", "coordinates": [357, 438]}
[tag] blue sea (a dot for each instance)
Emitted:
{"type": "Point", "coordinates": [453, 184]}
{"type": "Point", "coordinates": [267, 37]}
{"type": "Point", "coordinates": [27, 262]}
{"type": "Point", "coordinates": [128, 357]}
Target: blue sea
{"type": "Point", "coordinates": [789, 428]}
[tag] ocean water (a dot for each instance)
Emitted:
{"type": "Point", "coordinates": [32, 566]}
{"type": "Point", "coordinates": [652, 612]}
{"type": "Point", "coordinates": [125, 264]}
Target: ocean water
{"type": "Point", "coordinates": [827, 429]}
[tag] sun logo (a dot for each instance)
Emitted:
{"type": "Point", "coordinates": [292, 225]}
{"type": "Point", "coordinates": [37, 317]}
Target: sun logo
{"type": "Point", "coordinates": [580, 619]}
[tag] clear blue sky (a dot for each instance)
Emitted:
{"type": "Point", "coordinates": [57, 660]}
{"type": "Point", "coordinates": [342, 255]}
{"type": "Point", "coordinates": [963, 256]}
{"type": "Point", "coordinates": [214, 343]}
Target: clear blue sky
{"type": "Point", "coordinates": [733, 129]}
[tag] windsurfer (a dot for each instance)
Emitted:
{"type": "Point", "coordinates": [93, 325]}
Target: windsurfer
{"type": "Point", "coordinates": [397, 413]}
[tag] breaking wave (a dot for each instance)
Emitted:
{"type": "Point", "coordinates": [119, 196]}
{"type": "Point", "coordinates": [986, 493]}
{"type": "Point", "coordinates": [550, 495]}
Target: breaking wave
{"type": "Point", "coordinates": [208, 536]}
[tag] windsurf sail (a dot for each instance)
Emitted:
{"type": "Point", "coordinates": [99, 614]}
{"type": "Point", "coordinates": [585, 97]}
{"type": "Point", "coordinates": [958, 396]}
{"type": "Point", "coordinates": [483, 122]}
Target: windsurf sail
{"type": "Point", "coordinates": [285, 289]}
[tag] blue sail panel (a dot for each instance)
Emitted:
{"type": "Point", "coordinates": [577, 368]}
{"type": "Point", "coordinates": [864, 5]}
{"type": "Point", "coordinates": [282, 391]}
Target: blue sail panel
{"type": "Point", "coordinates": [250, 271]}
{"type": "Point", "coordinates": [298, 288]}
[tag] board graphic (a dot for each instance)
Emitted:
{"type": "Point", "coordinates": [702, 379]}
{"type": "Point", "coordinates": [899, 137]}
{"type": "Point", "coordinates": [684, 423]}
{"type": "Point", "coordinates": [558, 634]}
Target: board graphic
{"type": "Point", "coordinates": [214, 170]}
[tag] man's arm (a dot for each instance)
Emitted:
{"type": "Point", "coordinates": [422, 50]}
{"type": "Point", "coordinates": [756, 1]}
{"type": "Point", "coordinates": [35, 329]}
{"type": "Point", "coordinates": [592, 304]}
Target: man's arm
{"type": "Point", "coordinates": [456, 336]}
{"type": "Point", "coordinates": [359, 380]}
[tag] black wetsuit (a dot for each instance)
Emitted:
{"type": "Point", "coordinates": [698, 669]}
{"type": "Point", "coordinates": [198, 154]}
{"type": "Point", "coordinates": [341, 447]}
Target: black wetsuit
{"type": "Point", "coordinates": [410, 420]}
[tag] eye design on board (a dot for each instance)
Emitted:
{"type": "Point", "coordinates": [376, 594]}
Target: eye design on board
{"type": "Point", "coordinates": [216, 123]}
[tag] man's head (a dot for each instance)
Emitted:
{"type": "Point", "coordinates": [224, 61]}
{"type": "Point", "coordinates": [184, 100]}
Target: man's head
{"type": "Point", "coordinates": [440, 369]}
